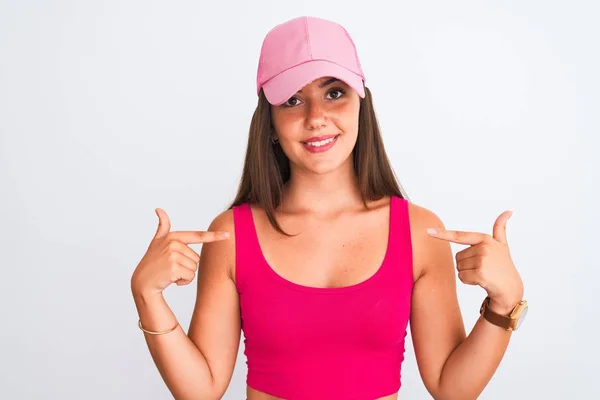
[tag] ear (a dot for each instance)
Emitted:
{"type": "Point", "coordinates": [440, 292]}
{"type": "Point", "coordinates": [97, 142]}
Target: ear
{"type": "Point", "coordinates": [273, 135]}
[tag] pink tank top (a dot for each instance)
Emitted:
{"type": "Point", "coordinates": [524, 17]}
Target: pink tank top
{"type": "Point", "coordinates": [324, 343]}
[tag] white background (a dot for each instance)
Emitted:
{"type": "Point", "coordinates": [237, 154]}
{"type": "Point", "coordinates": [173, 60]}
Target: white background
{"type": "Point", "coordinates": [109, 109]}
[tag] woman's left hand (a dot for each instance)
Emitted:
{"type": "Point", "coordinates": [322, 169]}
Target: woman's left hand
{"type": "Point", "coordinates": [487, 263]}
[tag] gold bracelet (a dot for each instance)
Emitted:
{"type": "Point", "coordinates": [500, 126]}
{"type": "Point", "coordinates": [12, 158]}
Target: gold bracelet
{"type": "Point", "coordinates": [157, 333]}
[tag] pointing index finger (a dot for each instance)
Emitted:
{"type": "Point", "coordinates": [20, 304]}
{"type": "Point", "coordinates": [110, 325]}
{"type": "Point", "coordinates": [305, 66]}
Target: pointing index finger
{"type": "Point", "coordinates": [461, 237]}
{"type": "Point", "coordinates": [189, 237]}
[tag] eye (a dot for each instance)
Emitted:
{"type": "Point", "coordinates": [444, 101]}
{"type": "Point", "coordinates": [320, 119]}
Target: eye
{"type": "Point", "coordinates": [288, 102]}
{"type": "Point", "coordinates": [340, 91]}
{"type": "Point", "coordinates": [294, 101]}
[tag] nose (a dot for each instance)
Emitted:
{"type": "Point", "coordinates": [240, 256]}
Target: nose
{"type": "Point", "coordinates": [316, 116]}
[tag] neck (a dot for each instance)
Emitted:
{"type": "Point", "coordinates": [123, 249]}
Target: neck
{"type": "Point", "coordinates": [321, 193]}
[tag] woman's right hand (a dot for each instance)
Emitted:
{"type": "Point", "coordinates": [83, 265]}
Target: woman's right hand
{"type": "Point", "coordinates": [169, 259]}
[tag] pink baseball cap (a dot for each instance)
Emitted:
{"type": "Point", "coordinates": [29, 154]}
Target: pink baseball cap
{"type": "Point", "coordinates": [303, 49]}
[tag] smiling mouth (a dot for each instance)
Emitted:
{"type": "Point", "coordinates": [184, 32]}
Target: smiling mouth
{"type": "Point", "coordinates": [319, 146]}
{"type": "Point", "coordinates": [320, 143]}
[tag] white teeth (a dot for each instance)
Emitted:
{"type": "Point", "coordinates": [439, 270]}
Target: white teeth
{"type": "Point", "coordinates": [321, 143]}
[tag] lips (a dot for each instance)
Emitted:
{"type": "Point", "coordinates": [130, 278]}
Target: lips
{"type": "Point", "coordinates": [320, 144]}
{"type": "Point", "coordinates": [318, 138]}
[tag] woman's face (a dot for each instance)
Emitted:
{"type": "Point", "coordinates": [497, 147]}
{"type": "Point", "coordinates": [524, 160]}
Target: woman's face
{"type": "Point", "coordinates": [317, 127]}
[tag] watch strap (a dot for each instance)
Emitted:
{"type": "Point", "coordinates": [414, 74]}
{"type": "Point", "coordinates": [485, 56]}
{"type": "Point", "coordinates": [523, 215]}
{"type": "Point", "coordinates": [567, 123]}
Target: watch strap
{"type": "Point", "coordinates": [502, 321]}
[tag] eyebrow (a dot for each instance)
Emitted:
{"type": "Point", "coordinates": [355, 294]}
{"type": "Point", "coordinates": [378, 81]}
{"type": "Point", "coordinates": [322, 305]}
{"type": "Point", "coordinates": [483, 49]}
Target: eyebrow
{"type": "Point", "coordinates": [328, 82]}
{"type": "Point", "coordinates": [323, 84]}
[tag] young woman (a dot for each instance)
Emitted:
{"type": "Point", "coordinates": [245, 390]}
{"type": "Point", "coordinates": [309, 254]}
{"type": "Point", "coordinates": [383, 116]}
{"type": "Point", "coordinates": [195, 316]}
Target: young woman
{"type": "Point", "coordinates": [322, 260]}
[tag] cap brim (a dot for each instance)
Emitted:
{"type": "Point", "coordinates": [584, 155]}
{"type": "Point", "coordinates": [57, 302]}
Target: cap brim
{"type": "Point", "coordinates": [281, 87]}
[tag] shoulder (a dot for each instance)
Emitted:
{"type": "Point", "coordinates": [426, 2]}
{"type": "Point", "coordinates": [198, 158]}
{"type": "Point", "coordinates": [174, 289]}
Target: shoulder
{"type": "Point", "coordinates": [427, 250]}
{"type": "Point", "coordinates": [421, 217]}
{"type": "Point", "coordinates": [224, 221]}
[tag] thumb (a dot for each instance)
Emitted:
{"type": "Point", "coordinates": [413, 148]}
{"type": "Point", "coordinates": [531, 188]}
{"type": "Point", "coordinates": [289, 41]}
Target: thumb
{"type": "Point", "coordinates": [164, 224]}
{"type": "Point", "coordinates": [500, 227]}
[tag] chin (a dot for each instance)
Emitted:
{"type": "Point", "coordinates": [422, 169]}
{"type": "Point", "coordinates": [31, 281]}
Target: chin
{"type": "Point", "coordinates": [327, 165]}
{"type": "Point", "coordinates": [323, 169]}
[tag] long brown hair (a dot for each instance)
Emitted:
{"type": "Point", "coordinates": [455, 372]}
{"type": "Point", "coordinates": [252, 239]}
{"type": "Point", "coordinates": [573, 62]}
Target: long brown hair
{"type": "Point", "coordinates": [267, 168]}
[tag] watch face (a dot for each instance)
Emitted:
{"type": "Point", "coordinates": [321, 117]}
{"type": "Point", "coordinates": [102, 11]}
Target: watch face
{"type": "Point", "coordinates": [521, 317]}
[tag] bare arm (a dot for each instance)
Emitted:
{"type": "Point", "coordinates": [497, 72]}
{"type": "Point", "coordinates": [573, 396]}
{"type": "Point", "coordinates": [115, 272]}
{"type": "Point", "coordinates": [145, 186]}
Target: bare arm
{"type": "Point", "coordinates": [216, 325]}
{"type": "Point", "coordinates": [181, 365]}
{"type": "Point", "coordinates": [452, 365]}
{"type": "Point", "coordinates": [198, 365]}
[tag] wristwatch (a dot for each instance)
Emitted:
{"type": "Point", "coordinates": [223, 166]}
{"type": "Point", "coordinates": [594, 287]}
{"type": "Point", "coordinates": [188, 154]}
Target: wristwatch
{"type": "Point", "coordinates": [510, 322]}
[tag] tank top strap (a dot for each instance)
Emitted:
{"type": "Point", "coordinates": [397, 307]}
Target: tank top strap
{"type": "Point", "coordinates": [400, 240]}
{"type": "Point", "coordinates": [247, 249]}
